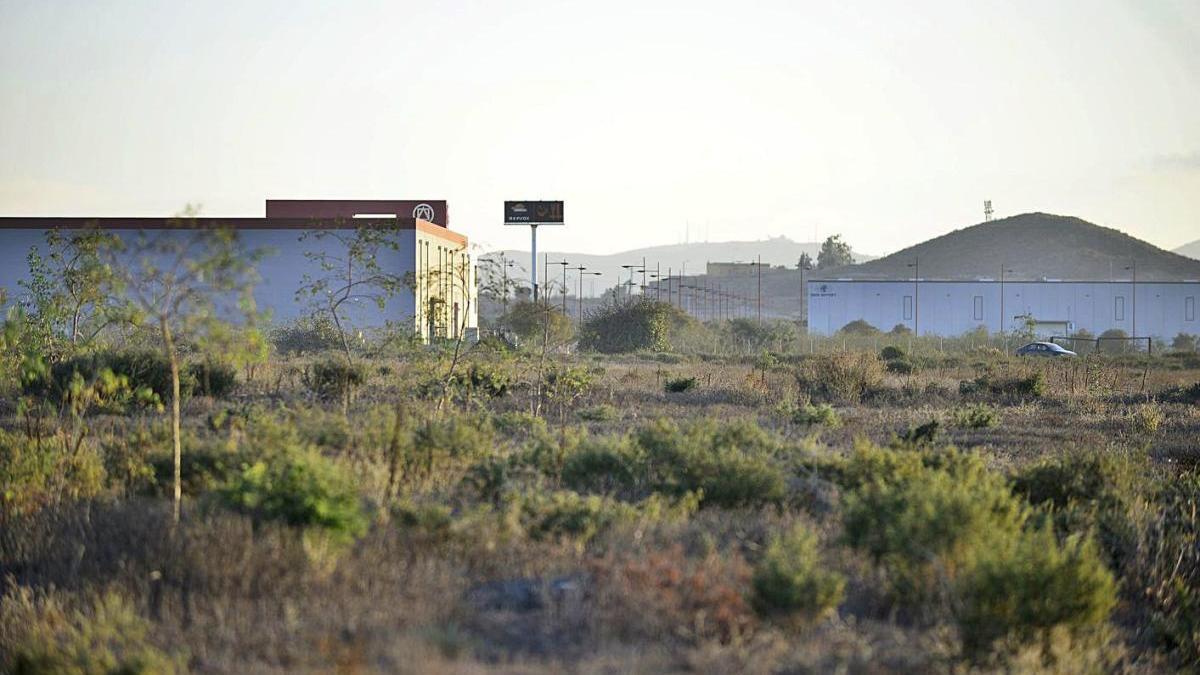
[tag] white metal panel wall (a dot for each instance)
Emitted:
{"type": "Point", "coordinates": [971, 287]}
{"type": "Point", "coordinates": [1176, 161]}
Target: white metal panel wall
{"type": "Point", "coordinates": [948, 308]}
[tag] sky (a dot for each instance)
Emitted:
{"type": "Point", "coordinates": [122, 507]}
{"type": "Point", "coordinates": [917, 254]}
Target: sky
{"type": "Point", "coordinates": [885, 122]}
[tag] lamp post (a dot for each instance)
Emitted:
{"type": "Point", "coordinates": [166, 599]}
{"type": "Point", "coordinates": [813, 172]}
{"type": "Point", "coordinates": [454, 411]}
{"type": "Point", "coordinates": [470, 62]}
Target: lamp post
{"type": "Point", "coordinates": [564, 264]}
{"type": "Point", "coordinates": [803, 265]}
{"type": "Point", "coordinates": [1003, 321]}
{"type": "Point", "coordinates": [581, 268]}
{"type": "Point", "coordinates": [1133, 267]}
{"type": "Point", "coordinates": [916, 265]}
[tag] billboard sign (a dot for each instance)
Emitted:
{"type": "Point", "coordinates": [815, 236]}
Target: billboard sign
{"type": "Point", "coordinates": [533, 213]}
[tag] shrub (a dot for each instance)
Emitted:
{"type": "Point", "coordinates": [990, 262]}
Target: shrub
{"type": "Point", "coordinates": [979, 416]}
{"type": "Point", "coordinates": [333, 379]}
{"type": "Point", "coordinates": [142, 370]}
{"type": "Point", "coordinates": [679, 385]}
{"type": "Point", "coordinates": [790, 582]}
{"type": "Point", "coordinates": [601, 413]}
{"type": "Point", "coordinates": [900, 366]}
{"type": "Point", "coordinates": [1085, 491]}
{"type": "Point", "coordinates": [1024, 589]}
{"type": "Point", "coordinates": [1184, 342]}
{"type": "Point", "coordinates": [821, 414]}
{"type": "Point", "coordinates": [107, 636]}
{"type": "Point", "coordinates": [925, 516]}
{"type": "Point", "coordinates": [301, 488]}
{"type": "Point", "coordinates": [1147, 418]}
{"type": "Point", "coordinates": [842, 376]}
{"type": "Point", "coordinates": [35, 474]}
{"type": "Point", "coordinates": [1115, 341]}
{"type": "Point", "coordinates": [1031, 386]}
{"type": "Point", "coordinates": [859, 327]}
{"type": "Point", "coordinates": [536, 322]}
{"type": "Point", "coordinates": [625, 327]}
{"type": "Point", "coordinates": [566, 514]}
{"type": "Point", "coordinates": [212, 379]}
{"type": "Point", "coordinates": [900, 329]}
{"type": "Point", "coordinates": [601, 467]}
{"type": "Point", "coordinates": [892, 352]}
{"type": "Point", "coordinates": [730, 466]}
{"type": "Point", "coordinates": [1168, 567]}
{"type": "Point", "coordinates": [307, 335]}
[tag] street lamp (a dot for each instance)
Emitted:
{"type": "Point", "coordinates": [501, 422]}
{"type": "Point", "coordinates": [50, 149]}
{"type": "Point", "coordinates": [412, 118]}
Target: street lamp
{"type": "Point", "coordinates": [916, 265]}
{"type": "Point", "coordinates": [564, 264]}
{"type": "Point", "coordinates": [1003, 320]}
{"type": "Point", "coordinates": [1133, 267]}
{"type": "Point", "coordinates": [581, 269]}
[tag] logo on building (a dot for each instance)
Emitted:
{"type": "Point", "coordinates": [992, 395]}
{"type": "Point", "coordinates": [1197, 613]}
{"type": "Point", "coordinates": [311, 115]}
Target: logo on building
{"type": "Point", "coordinates": [423, 212]}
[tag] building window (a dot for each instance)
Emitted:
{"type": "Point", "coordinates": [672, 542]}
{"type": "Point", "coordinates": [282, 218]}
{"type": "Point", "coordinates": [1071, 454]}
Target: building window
{"type": "Point", "coordinates": [1119, 308]}
{"type": "Point", "coordinates": [1189, 308]}
{"type": "Point", "coordinates": [979, 308]}
{"type": "Point", "coordinates": [908, 307]}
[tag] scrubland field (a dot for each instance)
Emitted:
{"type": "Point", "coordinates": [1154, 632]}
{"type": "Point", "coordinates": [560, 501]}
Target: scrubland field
{"type": "Point", "coordinates": [735, 498]}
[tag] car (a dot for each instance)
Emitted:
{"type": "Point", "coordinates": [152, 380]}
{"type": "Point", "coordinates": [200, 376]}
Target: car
{"type": "Point", "coordinates": [1044, 349]}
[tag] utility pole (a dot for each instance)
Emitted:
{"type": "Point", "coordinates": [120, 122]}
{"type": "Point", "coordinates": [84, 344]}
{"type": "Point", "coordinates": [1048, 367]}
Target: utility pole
{"type": "Point", "coordinates": [758, 266]}
{"type": "Point", "coordinates": [916, 265]}
{"type": "Point", "coordinates": [1133, 267]}
{"type": "Point", "coordinates": [564, 264]}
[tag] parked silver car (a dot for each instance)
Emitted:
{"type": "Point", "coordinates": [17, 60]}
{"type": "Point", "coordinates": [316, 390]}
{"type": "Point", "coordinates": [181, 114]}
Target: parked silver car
{"type": "Point", "coordinates": [1044, 349]}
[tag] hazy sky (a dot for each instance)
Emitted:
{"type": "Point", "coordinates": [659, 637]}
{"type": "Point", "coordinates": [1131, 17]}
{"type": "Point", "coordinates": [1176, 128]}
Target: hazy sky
{"type": "Point", "coordinates": [887, 122]}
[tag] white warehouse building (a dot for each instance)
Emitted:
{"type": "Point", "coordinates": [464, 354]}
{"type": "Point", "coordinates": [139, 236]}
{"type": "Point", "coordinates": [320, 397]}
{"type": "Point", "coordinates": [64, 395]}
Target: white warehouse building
{"type": "Point", "coordinates": [949, 308]}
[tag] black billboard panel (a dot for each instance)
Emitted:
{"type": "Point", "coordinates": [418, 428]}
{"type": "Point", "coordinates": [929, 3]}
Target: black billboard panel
{"type": "Point", "coordinates": [533, 213]}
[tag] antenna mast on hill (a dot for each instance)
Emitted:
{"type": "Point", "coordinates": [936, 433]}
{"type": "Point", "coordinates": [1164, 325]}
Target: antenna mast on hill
{"type": "Point", "coordinates": [987, 211]}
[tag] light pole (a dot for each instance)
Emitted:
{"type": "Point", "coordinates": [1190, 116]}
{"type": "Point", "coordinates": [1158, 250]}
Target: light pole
{"type": "Point", "coordinates": [564, 264]}
{"type": "Point", "coordinates": [506, 263]}
{"type": "Point", "coordinates": [1003, 321]}
{"type": "Point", "coordinates": [803, 265]}
{"type": "Point", "coordinates": [581, 268]}
{"type": "Point", "coordinates": [1133, 268]}
{"type": "Point", "coordinates": [916, 265]}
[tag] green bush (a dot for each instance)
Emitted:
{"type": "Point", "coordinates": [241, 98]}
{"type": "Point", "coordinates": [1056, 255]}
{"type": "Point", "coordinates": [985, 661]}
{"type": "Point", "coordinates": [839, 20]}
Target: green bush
{"type": "Point", "coordinates": [859, 327]}
{"type": "Point", "coordinates": [301, 488]}
{"type": "Point", "coordinates": [790, 581]}
{"type": "Point", "coordinates": [36, 474]}
{"type": "Point", "coordinates": [1168, 567]}
{"type": "Point", "coordinates": [891, 353]}
{"type": "Point", "coordinates": [899, 366]}
{"type": "Point", "coordinates": [679, 385]}
{"type": "Point", "coordinates": [978, 416]}
{"type": "Point", "coordinates": [845, 376]}
{"type": "Point", "coordinates": [142, 370]}
{"type": "Point", "coordinates": [212, 379]}
{"type": "Point", "coordinates": [307, 335]}
{"type": "Point", "coordinates": [625, 327]}
{"type": "Point", "coordinates": [106, 637]}
{"type": "Point", "coordinates": [566, 515]}
{"type": "Point", "coordinates": [601, 413]}
{"type": "Point", "coordinates": [1086, 491]}
{"type": "Point", "coordinates": [1023, 590]}
{"type": "Point", "coordinates": [601, 467]}
{"type": "Point", "coordinates": [730, 465]}
{"type": "Point", "coordinates": [333, 378]}
{"type": "Point", "coordinates": [925, 516]}
{"type": "Point", "coordinates": [821, 414]}
{"type": "Point", "coordinates": [538, 322]}
{"type": "Point", "coordinates": [1032, 386]}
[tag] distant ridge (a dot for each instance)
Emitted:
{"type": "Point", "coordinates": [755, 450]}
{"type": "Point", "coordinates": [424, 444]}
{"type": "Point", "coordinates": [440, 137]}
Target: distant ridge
{"type": "Point", "coordinates": [1191, 250]}
{"type": "Point", "coordinates": [1033, 246]}
{"type": "Point", "coordinates": [775, 251]}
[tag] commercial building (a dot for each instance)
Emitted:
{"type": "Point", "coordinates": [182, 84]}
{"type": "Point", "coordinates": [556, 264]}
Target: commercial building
{"type": "Point", "coordinates": [440, 301]}
{"type": "Point", "coordinates": [948, 308]}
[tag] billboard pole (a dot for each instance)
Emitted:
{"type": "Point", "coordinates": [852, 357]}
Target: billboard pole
{"type": "Point", "coordinates": [533, 262]}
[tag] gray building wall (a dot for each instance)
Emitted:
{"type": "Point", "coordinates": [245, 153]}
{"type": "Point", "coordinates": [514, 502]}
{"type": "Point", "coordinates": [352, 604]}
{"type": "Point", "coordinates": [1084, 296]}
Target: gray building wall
{"type": "Point", "coordinates": [949, 308]}
{"type": "Point", "coordinates": [281, 272]}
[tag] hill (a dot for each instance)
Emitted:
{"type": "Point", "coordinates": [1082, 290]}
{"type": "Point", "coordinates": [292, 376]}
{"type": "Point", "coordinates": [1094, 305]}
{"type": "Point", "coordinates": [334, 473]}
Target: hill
{"type": "Point", "coordinates": [1191, 250]}
{"type": "Point", "coordinates": [1032, 246]}
{"type": "Point", "coordinates": [777, 251]}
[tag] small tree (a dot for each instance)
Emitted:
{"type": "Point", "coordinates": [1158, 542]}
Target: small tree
{"type": "Point", "coordinates": [1184, 343]}
{"type": "Point", "coordinates": [183, 281]}
{"type": "Point", "coordinates": [834, 253]}
{"type": "Point", "coordinates": [352, 272]}
{"type": "Point", "coordinates": [805, 262]}
{"type": "Point", "coordinates": [66, 288]}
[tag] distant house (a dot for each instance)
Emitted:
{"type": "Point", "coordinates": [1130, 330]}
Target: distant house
{"type": "Point", "coordinates": [441, 301]}
{"type": "Point", "coordinates": [948, 308]}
